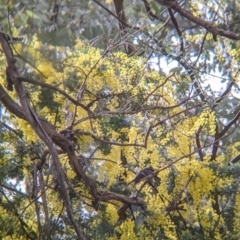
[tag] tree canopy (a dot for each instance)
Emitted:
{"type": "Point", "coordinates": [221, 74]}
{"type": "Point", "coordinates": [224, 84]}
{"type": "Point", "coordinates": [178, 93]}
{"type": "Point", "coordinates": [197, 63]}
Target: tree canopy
{"type": "Point", "coordinates": [94, 93]}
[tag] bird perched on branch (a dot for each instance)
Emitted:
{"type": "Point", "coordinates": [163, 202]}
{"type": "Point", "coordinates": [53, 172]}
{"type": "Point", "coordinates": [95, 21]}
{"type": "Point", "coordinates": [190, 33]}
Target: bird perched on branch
{"type": "Point", "coordinates": [144, 174]}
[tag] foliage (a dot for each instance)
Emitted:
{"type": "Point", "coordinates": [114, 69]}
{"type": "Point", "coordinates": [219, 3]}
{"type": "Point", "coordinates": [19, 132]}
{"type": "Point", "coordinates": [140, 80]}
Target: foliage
{"type": "Point", "coordinates": [91, 108]}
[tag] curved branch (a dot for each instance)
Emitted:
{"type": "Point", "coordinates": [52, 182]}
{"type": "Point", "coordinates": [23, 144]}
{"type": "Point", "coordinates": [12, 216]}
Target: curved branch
{"type": "Point", "coordinates": [121, 15]}
{"type": "Point", "coordinates": [224, 94]}
{"type": "Point", "coordinates": [198, 143]}
{"type": "Point", "coordinates": [205, 24]}
{"type": "Point", "coordinates": [219, 136]}
{"type": "Point", "coordinates": [37, 126]}
{"type": "Point", "coordinates": [9, 188]}
{"type": "Point", "coordinates": [174, 21]}
{"type": "Point", "coordinates": [46, 85]}
{"type": "Point", "coordinates": [112, 14]}
{"type": "Point", "coordinates": [149, 11]}
{"type": "Point", "coordinates": [235, 159]}
{"type": "Point", "coordinates": [66, 145]}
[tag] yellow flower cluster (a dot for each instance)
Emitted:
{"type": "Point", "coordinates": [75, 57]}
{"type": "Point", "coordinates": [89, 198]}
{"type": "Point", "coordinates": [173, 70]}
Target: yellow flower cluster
{"type": "Point", "coordinates": [207, 119]}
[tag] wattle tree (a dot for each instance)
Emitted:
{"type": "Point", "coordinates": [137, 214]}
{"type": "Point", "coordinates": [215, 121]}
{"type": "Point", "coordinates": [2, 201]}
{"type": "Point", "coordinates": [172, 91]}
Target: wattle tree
{"type": "Point", "coordinates": [119, 120]}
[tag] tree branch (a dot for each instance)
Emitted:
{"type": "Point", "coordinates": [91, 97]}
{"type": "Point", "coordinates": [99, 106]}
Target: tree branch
{"type": "Point", "coordinates": [35, 122]}
{"type": "Point", "coordinates": [121, 15]}
{"type": "Point", "coordinates": [205, 24]}
{"type": "Point", "coordinates": [49, 86]}
{"type": "Point", "coordinates": [174, 21]}
{"type": "Point", "coordinates": [198, 143]}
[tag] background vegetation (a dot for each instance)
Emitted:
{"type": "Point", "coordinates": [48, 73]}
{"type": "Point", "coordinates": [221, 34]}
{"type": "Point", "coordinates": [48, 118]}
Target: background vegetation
{"type": "Point", "coordinates": [91, 92]}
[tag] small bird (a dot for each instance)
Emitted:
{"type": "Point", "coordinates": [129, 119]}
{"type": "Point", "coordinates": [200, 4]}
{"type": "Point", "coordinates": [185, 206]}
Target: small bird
{"type": "Point", "coordinates": [142, 175]}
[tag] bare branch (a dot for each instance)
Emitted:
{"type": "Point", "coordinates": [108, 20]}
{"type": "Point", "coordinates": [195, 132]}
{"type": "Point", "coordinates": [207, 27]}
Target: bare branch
{"type": "Point", "coordinates": [149, 11]}
{"type": "Point", "coordinates": [198, 143]}
{"type": "Point", "coordinates": [49, 86]}
{"type": "Point", "coordinates": [174, 21]}
{"type": "Point", "coordinates": [235, 159]}
{"type": "Point", "coordinates": [121, 15]}
{"type": "Point", "coordinates": [205, 24]}
{"type": "Point", "coordinates": [224, 94]}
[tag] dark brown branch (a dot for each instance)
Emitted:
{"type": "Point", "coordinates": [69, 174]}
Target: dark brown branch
{"type": "Point", "coordinates": [10, 104]}
{"type": "Point", "coordinates": [112, 14]}
{"type": "Point", "coordinates": [46, 226]}
{"type": "Point", "coordinates": [9, 188]}
{"type": "Point", "coordinates": [35, 196]}
{"type": "Point", "coordinates": [121, 15]}
{"type": "Point", "coordinates": [81, 132]}
{"type": "Point", "coordinates": [121, 21]}
{"type": "Point", "coordinates": [235, 159]}
{"type": "Point", "coordinates": [224, 94]}
{"type": "Point", "coordinates": [149, 11]}
{"type": "Point", "coordinates": [37, 126]}
{"type": "Point", "coordinates": [201, 48]}
{"type": "Point", "coordinates": [198, 143]}
{"type": "Point", "coordinates": [14, 211]}
{"type": "Point", "coordinates": [66, 145]}
{"type": "Point", "coordinates": [174, 205]}
{"type": "Point", "coordinates": [218, 136]}
{"type": "Point", "coordinates": [191, 75]}
{"type": "Point", "coordinates": [174, 21]}
{"type": "Point", "coordinates": [10, 129]}
{"type": "Point", "coordinates": [139, 109]}
{"type": "Point", "coordinates": [216, 205]}
{"type": "Point", "coordinates": [181, 62]}
{"type": "Point", "coordinates": [49, 86]}
{"type": "Point", "coordinates": [215, 144]}
{"type": "Point", "coordinates": [227, 127]}
{"type": "Point", "coordinates": [205, 24]}
{"type": "Point", "coordinates": [186, 67]}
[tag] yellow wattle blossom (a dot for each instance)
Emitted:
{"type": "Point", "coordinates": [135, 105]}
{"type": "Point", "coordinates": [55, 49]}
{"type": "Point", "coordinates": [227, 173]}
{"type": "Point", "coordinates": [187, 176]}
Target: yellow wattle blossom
{"type": "Point", "coordinates": [207, 119]}
{"type": "Point", "coordinates": [127, 230]}
{"type": "Point", "coordinates": [120, 100]}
